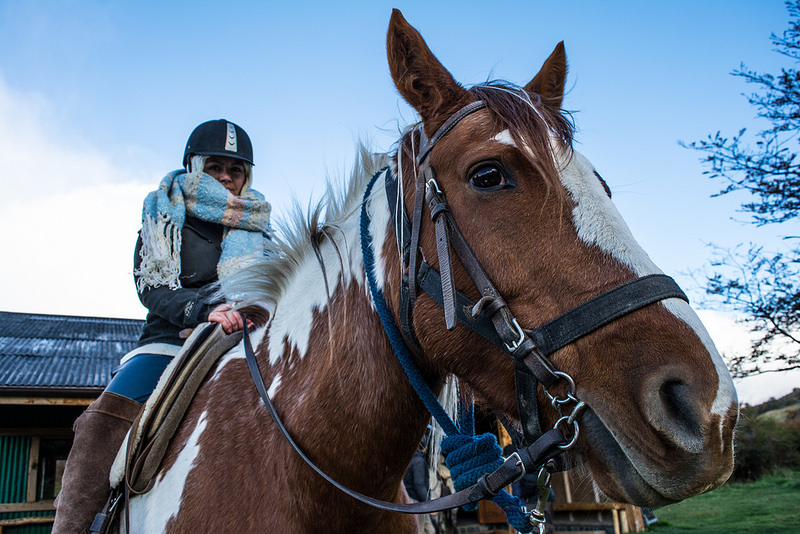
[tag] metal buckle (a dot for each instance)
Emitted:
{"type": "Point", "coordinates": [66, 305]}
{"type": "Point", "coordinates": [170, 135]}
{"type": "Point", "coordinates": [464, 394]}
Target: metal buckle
{"type": "Point", "coordinates": [433, 184]}
{"type": "Point", "coordinates": [516, 344]}
{"type": "Point", "coordinates": [521, 466]}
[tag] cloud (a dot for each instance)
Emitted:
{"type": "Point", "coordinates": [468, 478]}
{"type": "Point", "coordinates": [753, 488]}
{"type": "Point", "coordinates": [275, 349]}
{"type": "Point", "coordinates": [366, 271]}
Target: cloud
{"type": "Point", "coordinates": [42, 157]}
{"type": "Point", "coordinates": [759, 388]}
{"type": "Point", "coordinates": [732, 337]}
{"type": "Point", "coordinates": [70, 214]}
{"type": "Point", "coordinates": [72, 253]}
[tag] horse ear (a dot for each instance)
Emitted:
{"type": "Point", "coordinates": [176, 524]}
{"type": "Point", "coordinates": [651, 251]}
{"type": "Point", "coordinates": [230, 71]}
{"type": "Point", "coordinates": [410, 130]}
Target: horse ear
{"type": "Point", "coordinates": [549, 82]}
{"type": "Point", "coordinates": [421, 79]}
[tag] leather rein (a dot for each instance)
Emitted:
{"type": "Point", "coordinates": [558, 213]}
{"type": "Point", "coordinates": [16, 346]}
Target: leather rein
{"type": "Point", "coordinates": [491, 318]}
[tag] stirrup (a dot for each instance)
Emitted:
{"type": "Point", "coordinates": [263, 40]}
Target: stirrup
{"type": "Point", "coordinates": [103, 520]}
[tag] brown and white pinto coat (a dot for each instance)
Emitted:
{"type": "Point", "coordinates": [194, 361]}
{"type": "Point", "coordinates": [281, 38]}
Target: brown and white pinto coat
{"type": "Point", "coordinates": [661, 403]}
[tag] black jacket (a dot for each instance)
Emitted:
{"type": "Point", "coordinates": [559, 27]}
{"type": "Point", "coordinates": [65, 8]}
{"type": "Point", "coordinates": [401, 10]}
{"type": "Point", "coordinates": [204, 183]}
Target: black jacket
{"type": "Point", "coordinates": [416, 477]}
{"type": "Point", "coordinates": [173, 310]}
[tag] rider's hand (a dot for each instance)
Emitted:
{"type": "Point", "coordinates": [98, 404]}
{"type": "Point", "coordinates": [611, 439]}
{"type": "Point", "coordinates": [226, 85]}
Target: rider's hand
{"type": "Point", "coordinates": [230, 319]}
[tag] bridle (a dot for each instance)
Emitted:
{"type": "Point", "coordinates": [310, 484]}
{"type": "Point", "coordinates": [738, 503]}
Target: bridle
{"type": "Point", "coordinates": [490, 317]}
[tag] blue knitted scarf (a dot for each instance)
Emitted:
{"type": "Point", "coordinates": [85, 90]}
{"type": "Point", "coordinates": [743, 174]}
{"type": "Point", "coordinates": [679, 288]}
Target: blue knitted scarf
{"type": "Point", "coordinates": [197, 194]}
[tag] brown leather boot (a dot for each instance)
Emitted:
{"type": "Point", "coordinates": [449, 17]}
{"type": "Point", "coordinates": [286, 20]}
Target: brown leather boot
{"type": "Point", "coordinates": [99, 432]}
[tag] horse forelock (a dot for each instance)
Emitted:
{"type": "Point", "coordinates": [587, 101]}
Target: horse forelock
{"type": "Point", "coordinates": [521, 117]}
{"type": "Point", "coordinates": [544, 131]}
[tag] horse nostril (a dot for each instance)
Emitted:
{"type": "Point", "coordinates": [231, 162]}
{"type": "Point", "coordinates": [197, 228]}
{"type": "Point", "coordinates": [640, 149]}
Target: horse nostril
{"type": "Point", "coordinates": [673, 398]}
{"type": "Point", "coordinates": [671, 410]}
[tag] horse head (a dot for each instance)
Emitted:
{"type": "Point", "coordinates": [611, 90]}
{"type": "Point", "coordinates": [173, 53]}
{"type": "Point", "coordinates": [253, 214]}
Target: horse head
{"type": "Point", "coordinates": [661, 406]}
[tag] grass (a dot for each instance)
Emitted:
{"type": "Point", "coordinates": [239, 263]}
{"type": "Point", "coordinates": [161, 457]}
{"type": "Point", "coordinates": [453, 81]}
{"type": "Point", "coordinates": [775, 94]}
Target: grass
{"type": "Point", "coordinates": [781, 415]}
{"type": "Point", "coordinates": [771, 504]}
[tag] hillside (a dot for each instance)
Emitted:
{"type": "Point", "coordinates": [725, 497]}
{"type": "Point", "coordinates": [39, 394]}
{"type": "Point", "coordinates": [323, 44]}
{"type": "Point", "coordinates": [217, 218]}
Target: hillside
{"type": "Point", "coordinates": [782, 415]}
{"type": "Point", "coordinates": [786, 401]}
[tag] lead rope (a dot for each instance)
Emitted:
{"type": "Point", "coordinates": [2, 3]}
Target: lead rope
{"type": "Point", "coordinates": [468, 456]}
{"type": "Point", "coordinates": [395, 337]}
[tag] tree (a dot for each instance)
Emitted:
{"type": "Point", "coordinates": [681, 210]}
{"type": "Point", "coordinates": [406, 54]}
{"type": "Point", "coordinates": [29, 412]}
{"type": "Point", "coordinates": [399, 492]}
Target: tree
{"type": "Point", "coordinates": [763, 286]}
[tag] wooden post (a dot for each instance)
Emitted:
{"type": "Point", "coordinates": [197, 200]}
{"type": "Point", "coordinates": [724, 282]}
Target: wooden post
{"type": "Point", "coordinates": [33, 469]}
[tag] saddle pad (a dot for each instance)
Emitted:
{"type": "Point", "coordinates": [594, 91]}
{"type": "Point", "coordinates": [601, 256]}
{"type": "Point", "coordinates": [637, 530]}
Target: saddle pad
{"type": "Point", "coordinates": [157, 422]}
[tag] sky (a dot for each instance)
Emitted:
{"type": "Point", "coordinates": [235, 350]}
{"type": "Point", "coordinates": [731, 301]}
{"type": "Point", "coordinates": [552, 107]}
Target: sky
{"type": "Point", "coordinates": [97, 99]}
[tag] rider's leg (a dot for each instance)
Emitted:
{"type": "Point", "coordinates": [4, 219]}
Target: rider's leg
{"type": "Point", "coordinates": [99, 433]}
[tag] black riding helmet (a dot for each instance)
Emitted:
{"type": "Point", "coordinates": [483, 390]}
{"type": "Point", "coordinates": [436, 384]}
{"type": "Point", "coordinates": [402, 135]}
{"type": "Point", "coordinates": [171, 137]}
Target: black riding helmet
{"type": "Point", "coordinates": [218, 138]}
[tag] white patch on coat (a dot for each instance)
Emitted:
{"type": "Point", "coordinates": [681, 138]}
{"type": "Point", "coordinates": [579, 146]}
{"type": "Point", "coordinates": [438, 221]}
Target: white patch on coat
{"type": "Point", "coordinates": [152, 511]}
{"type": "Point", "coordinates": [273, 388]}
{"type": "Point", "coordinates": [341, 254]}
{"type": "Point", "coordinates": [237, 351]}
{"type": "Point", "coordinates": [598, 223]}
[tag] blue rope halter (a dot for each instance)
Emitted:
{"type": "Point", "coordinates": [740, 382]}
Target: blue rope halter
{"type": "Point", "coordinates": [468, 456]}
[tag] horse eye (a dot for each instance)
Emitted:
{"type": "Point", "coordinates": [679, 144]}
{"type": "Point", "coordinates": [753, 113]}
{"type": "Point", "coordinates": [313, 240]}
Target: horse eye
{"type": "Point", "coordinates": [488, 178]}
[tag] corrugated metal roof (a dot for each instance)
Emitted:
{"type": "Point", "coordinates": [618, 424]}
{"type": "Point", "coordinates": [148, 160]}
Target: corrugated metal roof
{"type": "Point", "coordinates": [60, 351]}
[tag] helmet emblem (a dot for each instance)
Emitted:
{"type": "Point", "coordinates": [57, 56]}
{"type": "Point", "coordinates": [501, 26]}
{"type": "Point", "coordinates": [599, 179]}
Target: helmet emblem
{"type": "Point", "coordinates": [230, 139]}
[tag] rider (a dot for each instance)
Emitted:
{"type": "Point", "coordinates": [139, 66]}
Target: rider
{"type": "Point", "coordinates": [196, 227]}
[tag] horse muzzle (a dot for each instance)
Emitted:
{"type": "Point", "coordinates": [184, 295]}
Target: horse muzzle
{"type": "Point", "coordinates": [678, 452]}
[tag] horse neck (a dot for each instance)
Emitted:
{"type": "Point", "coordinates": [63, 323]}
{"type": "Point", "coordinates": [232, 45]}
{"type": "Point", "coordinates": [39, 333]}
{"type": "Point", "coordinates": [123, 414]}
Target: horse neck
{"type": "Point", "coordinates": [329, 365]}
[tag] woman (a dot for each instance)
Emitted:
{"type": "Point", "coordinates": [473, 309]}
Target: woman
{"type": "Point", "coordinates": [200, 223]}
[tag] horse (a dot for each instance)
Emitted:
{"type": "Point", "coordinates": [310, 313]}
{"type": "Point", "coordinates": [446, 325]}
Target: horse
{"type": "Point", "coordinates": [659, 403]}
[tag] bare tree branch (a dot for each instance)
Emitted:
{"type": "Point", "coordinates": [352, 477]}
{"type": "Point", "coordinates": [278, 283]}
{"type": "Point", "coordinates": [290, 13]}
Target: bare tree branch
{"type": "Point", "coordinates": [763, 287]}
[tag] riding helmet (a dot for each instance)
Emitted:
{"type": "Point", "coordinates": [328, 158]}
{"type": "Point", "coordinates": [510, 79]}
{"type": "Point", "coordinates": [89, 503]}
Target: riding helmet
{"type": "Point", "coordinates": [219, 138]}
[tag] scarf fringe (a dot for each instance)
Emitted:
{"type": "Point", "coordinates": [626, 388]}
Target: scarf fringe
{"type": "Point", "coordinates": [160, 253]}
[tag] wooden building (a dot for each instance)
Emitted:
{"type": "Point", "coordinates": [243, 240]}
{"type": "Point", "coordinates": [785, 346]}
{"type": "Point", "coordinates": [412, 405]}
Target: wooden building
{"type": "Point", "coordinates": [51, 368]}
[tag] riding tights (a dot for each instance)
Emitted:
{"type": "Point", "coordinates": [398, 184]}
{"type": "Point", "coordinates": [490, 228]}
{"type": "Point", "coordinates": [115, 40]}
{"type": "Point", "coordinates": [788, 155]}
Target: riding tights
{"type": "Point", "coordinates": [137, 378]}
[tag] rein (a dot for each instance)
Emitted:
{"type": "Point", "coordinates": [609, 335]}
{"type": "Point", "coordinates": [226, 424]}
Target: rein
{"type": "Point", "coordinates": [488, 485]}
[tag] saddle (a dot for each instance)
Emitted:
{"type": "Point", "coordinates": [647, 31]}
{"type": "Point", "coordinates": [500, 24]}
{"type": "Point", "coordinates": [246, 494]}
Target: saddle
{"type": "Point", "coordinates": [141, 453]}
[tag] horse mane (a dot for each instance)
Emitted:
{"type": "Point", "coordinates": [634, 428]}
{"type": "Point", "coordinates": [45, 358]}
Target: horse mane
{"type": "Point", "coordinates": [259, 284]}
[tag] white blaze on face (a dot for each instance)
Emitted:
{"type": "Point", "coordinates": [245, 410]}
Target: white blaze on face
{"type": "Point", "coordinates": [505, 138]}
{"type": "Point", "coordinates": [152, 511]}
{"type": "Point", "coordinates": [598, 223]}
